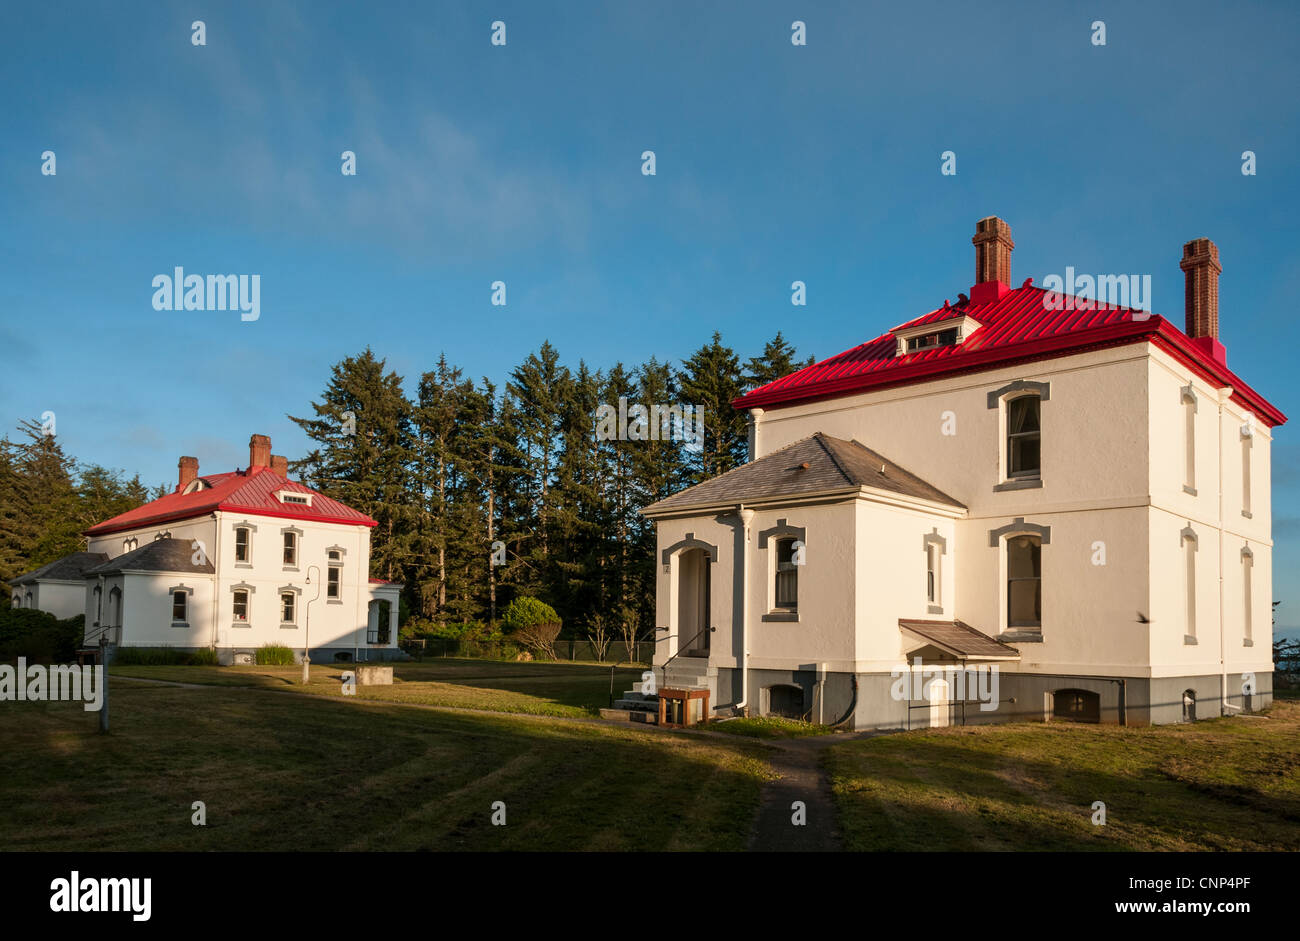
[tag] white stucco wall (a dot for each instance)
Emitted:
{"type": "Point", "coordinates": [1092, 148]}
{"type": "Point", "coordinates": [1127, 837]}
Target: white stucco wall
{"type": "Point", "coordinates": [1112, 488]}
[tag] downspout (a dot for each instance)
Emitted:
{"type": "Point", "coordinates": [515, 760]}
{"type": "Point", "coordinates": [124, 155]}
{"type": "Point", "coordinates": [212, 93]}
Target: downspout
{"type": "Point", "coordinates": [746, 516]}
{"type": "Point", "coordinates": [216, 582]}
{"type": "Point", "coordinates": [1223, 665]}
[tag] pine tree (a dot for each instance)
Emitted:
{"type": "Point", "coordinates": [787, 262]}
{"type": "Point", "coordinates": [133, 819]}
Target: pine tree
{"type": "Point", "coordinates": [365, 449]}
{"type": "Point", "coordinates": [712, 379]}
{"type": "Point", "coordinates": [779, 359]}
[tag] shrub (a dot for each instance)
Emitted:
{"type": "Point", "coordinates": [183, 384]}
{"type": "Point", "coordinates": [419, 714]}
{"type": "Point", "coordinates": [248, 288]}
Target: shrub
{"type": "Point", "coordinates": [527, 612]}
{"type": "Point", "coordinates": [161, 657]}
{"type": "Point", "coordinates": [39, 636]}
{"type": "Point", "coordinates": [274, 655]}
{"type": "Point", "coordinates": [532, 623]}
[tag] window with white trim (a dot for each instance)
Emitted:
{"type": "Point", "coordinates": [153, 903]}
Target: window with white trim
{"type": "Point", "coordinates": [239, 605]}
{"type": "Point", "coordinates": [288, 609]}
{"type": "Point", "coordinates": [290, 547]}
{"type": "Point", "coordinates": [1025, 582]}
{"type": "Point", "coordinates": [1188, 398]}
{"type": "Point", "coordinates": [1247, 595]}
{"type": "Point", "coordinates": [243, 544]}
{"type": "Point", "coordinates": [787, 576]}
{"type": "Point", "coordinates": [180, 606]}
{"type": "Point", "coordinates": [1188, 538]}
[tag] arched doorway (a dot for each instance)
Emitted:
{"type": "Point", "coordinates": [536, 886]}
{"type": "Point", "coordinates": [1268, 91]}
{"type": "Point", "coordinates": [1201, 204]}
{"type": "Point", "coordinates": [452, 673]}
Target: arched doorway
{"type": "Point", "coordinates": [693, 598]}
{"type": "Point", "coordinates": [937, 693]}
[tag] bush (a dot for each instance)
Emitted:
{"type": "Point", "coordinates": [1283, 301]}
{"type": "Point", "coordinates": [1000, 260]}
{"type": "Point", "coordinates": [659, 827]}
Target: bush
{"type": "Point", "coordinates": [163, 657]}
{"type": "Point", "coordinates": [532, 623]}
{"type": "Point", "coordinates": [39, 636]}
{"type": "Point", "coordinates": [274, 655]}
{"type": "Point", "coordinates": [527, 612]}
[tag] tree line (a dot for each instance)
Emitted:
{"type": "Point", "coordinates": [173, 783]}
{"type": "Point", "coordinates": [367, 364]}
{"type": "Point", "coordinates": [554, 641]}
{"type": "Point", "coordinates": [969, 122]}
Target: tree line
{"type": "Point", "coordinates": [483, 491]}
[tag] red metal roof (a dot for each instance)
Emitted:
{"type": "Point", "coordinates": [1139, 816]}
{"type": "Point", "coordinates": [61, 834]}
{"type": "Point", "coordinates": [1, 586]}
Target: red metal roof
{"type": "Point", "coordinates": [1015, 327]}
{"type": "Point", "coordinates": [251, 491]}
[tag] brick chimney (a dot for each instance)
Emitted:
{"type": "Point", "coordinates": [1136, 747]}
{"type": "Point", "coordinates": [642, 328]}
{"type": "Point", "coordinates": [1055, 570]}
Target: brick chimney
{"type": "Point", "coordinates": [280, 464]}
{"type": "Point", "coordinates": [189, 469]}
{"type": "Point", "coordinates": [259, 452]}
{"type": "Point", "coordinates": [1201, 271]}
{"type": "Point", "coordinates": [993, 245]}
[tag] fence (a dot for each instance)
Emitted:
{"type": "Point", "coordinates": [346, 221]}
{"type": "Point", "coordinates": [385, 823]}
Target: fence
{"type": "Point", "coordinates": [575, 651]}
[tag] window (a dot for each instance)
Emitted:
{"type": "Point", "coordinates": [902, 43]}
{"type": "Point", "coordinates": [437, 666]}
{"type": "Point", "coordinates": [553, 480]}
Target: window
{"type": "Point", "coordinates": [931, 340]}
{"type": "Point", "coordinates": [1247, 577]}
{"type": "Point", "coordinates": [240, 605]}
{"type": "Point", "coordinates": [288, 608]}
{"type": "Point", "coordinates": [334, 587]}
{"type": "Point", "coordinates": [99, 605]}
{"type": "Point", "coordinates": [1076, 705]}
{"type": "Point", "coordinates": [1024, 581]}
{"type": "Point", "coordinates": [935, 547]}
{"type": "Point", "coordinates": [787, 576]}
{"type": "Point", "coordinates": [1023, 436]}
{"type": "Point", "coordinates": [295, 498]}
{"type": "Point", "coordinates": [1245, 476]}
{"type": "Point", "coordinates": [242, 546]}
{"type": "Point", "coordinates": [179, 605]}
{"type": "Point", "coordinates": [1188, 395]}
{"type": "Point", "coordinates": [115, 607]}
{"type": "Point", "coordinates": [290, 547]}
{"type": "Point", "coordinates": [1188, 537]}
{"type": "Point", "coordinates": [931, 570]}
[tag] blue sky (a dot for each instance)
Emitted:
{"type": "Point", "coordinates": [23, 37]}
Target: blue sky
{"type": "Point", "coordinates": [522, 163]}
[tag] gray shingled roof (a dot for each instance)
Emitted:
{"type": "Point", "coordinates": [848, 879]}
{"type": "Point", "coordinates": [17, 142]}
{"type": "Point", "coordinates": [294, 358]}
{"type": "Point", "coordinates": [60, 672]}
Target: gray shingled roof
{"type": "Point", "coordinates": [961, 639]}
{"type": "Point", "coordinates": [70, 568]}
{"type": "Point", "coordinates": [161, 555]}
{"type": "Point", "coordinates": [816, 464]}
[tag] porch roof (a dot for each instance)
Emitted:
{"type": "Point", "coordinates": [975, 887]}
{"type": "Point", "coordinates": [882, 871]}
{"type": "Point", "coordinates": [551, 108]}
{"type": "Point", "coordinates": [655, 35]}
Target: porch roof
{"type": "Point", "coordinates": [960, 639]}
{"type": "Point", "coordinates": [813, 465]}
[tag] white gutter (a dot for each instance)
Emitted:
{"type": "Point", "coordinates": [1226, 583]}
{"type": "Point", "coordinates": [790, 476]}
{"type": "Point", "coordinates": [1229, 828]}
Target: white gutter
{"type": "Point", "coordinates": [1224, 708]}
{"type": "Point", "coordinates": [746, 515]}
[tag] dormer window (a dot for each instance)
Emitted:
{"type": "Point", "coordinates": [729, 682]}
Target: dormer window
{"type": "Point", "coordinates": [197, 484]}
{"type": "Point", "coordinates": [929, 340]}
{"type": "Point", "coordinates": [950, 331]}
{"type": "Point", "coordinates": [294, 498]}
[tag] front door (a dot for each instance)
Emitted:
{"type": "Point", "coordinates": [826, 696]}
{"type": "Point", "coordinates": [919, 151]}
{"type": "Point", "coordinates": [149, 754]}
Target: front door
{"type": "Point", "coordinates": [693, 603]}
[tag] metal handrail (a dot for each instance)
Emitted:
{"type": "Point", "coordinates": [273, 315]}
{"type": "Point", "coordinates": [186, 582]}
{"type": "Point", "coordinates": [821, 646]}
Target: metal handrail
{"type": "Point", "coordinates": [705, 630]}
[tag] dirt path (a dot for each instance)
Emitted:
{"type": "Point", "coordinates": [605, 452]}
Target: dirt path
{"type": "Point", "coordinates": [802, 778]}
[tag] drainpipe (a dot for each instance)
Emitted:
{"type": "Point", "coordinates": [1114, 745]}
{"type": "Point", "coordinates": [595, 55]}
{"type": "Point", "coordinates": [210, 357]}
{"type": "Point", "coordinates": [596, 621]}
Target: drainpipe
{"type": "Point", "coordinates": [746, 515]}
{"type": "Point", "coordinates": [216, 583]}
{"type": "Point", "coordinates": [1224, 709]}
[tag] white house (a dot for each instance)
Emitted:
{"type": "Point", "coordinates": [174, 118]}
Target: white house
{"type": "Point", "coordinates": [228, 561]}
{"type": "Point", "coordinates": [1077, 497]}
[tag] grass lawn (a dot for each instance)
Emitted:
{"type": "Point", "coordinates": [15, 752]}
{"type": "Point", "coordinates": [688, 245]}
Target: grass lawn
{"type": "Point", "coordinates": [290, 773]}
{"type": "Point", "coordinates": [1220, 784]}
{"type": "Point", "coordinates": [551, 689]}
{"type": "Point", "coordinates": [769, 727]}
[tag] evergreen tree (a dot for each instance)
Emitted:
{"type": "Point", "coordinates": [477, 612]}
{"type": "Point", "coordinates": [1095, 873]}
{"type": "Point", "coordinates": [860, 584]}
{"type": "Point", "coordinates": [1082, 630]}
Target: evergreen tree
{"type": "Point", "coordinates": [779, 359]}
{"type": "Point", "coordinates": [365, 449]}
{"type": "Point", "coordinates": [712, 379]}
